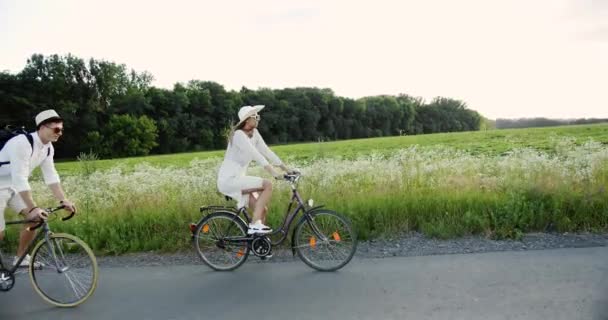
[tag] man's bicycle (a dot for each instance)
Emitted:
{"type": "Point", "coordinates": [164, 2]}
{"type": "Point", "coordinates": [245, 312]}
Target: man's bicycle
{"type": "Point", "coordinates": [63, 269]}
{"type": "Point", "coordinates": [323, 239]}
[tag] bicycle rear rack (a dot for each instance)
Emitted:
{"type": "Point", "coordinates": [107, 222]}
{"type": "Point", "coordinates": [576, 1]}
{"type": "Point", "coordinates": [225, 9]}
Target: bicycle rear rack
{"type": "Point", "coordinates": [208, 208]}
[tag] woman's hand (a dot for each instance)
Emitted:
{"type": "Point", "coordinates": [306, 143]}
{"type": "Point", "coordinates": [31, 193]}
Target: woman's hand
{"type": "Point", "coordinates": [294, 171]}
{"type": "Point", "coordinates": [273, 172]}
{"type": "Point", "coordinates": [289, 171]}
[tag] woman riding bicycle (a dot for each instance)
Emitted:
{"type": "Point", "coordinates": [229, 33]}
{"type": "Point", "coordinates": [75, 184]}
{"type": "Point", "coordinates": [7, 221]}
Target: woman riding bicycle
{"type": "Point", "coordinates": [245, 144]}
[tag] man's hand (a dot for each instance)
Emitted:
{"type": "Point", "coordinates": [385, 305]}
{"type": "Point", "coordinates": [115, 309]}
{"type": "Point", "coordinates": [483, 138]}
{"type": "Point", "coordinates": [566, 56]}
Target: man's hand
{"type": "Point", "coordinates": [69, 206]}
{"type": "Point", "coordinates": [37, 213]}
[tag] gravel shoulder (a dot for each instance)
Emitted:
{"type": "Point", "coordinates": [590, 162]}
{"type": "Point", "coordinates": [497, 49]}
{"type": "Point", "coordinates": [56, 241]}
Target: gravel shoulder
{"type": "Point", "coordinates": [411, 244]}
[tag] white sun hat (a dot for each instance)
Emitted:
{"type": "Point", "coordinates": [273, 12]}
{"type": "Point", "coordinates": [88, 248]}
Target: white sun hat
{"type": "Point", "coordinates": [248, 111]}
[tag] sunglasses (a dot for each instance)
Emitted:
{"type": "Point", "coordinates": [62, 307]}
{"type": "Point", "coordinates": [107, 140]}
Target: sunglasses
{"type": "Point", "coordinates": [256, 117]}
{"type": "Point", "coordinates": [56, 129]}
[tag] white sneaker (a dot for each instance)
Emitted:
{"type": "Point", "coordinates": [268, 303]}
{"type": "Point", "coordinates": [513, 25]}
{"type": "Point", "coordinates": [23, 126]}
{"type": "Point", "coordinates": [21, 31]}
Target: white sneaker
{"type": "Point", "coordinates": [25, 263]}
{"type": "Point", "coordinates": [258, 227]}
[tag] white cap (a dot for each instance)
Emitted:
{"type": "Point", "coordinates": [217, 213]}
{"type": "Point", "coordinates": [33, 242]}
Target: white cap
{"type": "Point", "coordinates": [248, 111]}
{"type": "Point", "coordinates": [45, 115]}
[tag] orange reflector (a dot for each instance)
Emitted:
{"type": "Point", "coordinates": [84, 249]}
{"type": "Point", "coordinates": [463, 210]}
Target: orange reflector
{"type": "Point", "coordinates": [336, 236]}
{"type": "Point", "coordinates": [206, 228]}
{"type": "Point", "coordinates": [240, 253]}
{"type": "Point", "coordinates": [313, 242]}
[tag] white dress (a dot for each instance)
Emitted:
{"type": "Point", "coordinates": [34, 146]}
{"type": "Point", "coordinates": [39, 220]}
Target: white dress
{"type": "Point", "coordinates": [232, 178]}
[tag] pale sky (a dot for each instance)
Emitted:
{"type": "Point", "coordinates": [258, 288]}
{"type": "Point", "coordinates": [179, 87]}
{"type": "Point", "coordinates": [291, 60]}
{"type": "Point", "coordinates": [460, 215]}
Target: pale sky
{"type": "Point", "coordinates": [504, 58]}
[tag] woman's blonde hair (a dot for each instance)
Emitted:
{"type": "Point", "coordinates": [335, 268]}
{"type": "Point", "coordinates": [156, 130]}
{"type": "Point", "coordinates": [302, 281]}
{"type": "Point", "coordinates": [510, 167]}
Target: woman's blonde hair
{"type": "Point", "coordinates": [233, 129]}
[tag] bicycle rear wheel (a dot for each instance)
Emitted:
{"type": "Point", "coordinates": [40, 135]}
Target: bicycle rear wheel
{"type": "Point", "coordinates": [212, 241]}
{"type": "Point", "coordinates": [327, 242]}
{"type": "Point", "coordinates": [63, 270]}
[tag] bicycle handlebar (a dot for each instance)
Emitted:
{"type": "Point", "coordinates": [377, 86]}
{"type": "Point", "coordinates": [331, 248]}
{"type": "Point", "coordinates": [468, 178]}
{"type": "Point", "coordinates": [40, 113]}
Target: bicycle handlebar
{"type": "Point", "coordinates": [50, 210]}
{"type": "Point", "coordinates": [292, 177]}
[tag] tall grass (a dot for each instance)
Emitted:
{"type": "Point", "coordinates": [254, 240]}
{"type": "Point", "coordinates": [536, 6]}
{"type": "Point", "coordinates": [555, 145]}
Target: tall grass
{"type": "Point", "coordinates": [441, 191]}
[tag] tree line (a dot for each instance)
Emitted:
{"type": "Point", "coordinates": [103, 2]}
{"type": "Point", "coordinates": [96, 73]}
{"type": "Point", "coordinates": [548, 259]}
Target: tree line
{"type": "Point", "coordinates": [116, 112]}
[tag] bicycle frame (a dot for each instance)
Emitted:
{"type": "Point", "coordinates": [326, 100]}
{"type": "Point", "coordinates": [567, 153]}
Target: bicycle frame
{"type": "Point", "coordinates": [40, 235]}
{"type": "Point", "coordinates": [289, 216]}
{"type": "Point", "coordinates": [44, 233]}
{"type": "Point", "coordinates": [296, 200]}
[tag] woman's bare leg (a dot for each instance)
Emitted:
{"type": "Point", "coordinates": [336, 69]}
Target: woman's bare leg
{"type": "Point", "coordinates": [259, 211]}
{"type": "Point", "coordinates": [253, 198]}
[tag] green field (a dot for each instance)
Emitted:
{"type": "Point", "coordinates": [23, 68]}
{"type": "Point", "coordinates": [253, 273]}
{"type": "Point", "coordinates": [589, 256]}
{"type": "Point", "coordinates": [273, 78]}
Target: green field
{"type": "Point", "coordinates": [499, 184]}
{"type": "Point", "coordinates": [493, 142]}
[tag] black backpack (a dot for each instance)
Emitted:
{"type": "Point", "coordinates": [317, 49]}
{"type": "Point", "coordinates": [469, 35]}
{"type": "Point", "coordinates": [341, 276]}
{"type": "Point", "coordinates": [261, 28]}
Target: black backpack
{"type": "Point", "coordinates": [10, 132]}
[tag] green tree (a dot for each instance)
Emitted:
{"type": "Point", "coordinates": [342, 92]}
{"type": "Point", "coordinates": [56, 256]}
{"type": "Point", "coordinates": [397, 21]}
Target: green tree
{"type": "Point", "coordinates": [126, 136]}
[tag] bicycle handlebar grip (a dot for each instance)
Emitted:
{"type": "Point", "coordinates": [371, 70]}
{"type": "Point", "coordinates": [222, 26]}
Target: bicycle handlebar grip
{"type": "Point", "coordinates": [34, 227]}
{"type": "Point", "coordinates": [68, 217]}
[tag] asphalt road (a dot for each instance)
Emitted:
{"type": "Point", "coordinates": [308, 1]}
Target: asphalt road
{"type": "Point", "coordinates": [543, 284]}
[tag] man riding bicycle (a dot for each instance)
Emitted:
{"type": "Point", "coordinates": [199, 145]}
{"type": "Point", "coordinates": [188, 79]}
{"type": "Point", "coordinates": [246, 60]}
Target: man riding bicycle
{"type": "Point", "coordinates": [18, 158]}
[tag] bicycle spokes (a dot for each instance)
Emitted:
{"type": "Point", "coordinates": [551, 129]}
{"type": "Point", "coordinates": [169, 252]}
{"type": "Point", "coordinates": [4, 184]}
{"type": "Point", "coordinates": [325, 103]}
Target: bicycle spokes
{"type": "Point", "coordinates": [64, 270]}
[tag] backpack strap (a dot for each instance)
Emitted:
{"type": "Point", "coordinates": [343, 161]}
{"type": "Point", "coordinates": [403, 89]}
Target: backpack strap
{"type": "Point", "coordinates": [30, 138]}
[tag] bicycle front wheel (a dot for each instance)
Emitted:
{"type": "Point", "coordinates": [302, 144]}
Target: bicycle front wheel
{"type": "Point", "coordinates": [326, 241]}
{"type": "Point", "coordinates": [63, 270]}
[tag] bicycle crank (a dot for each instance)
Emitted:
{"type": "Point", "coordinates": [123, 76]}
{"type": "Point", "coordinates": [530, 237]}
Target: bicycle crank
{"type": "Point", "coordinates": [7, 280]}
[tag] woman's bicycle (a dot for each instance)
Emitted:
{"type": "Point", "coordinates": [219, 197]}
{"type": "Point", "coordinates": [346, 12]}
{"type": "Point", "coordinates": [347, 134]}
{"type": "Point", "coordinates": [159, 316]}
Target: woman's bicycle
{"type": "Point", "coordinates": [63, 269]}
{"type": "Point", "coordinates": [323, 239]}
